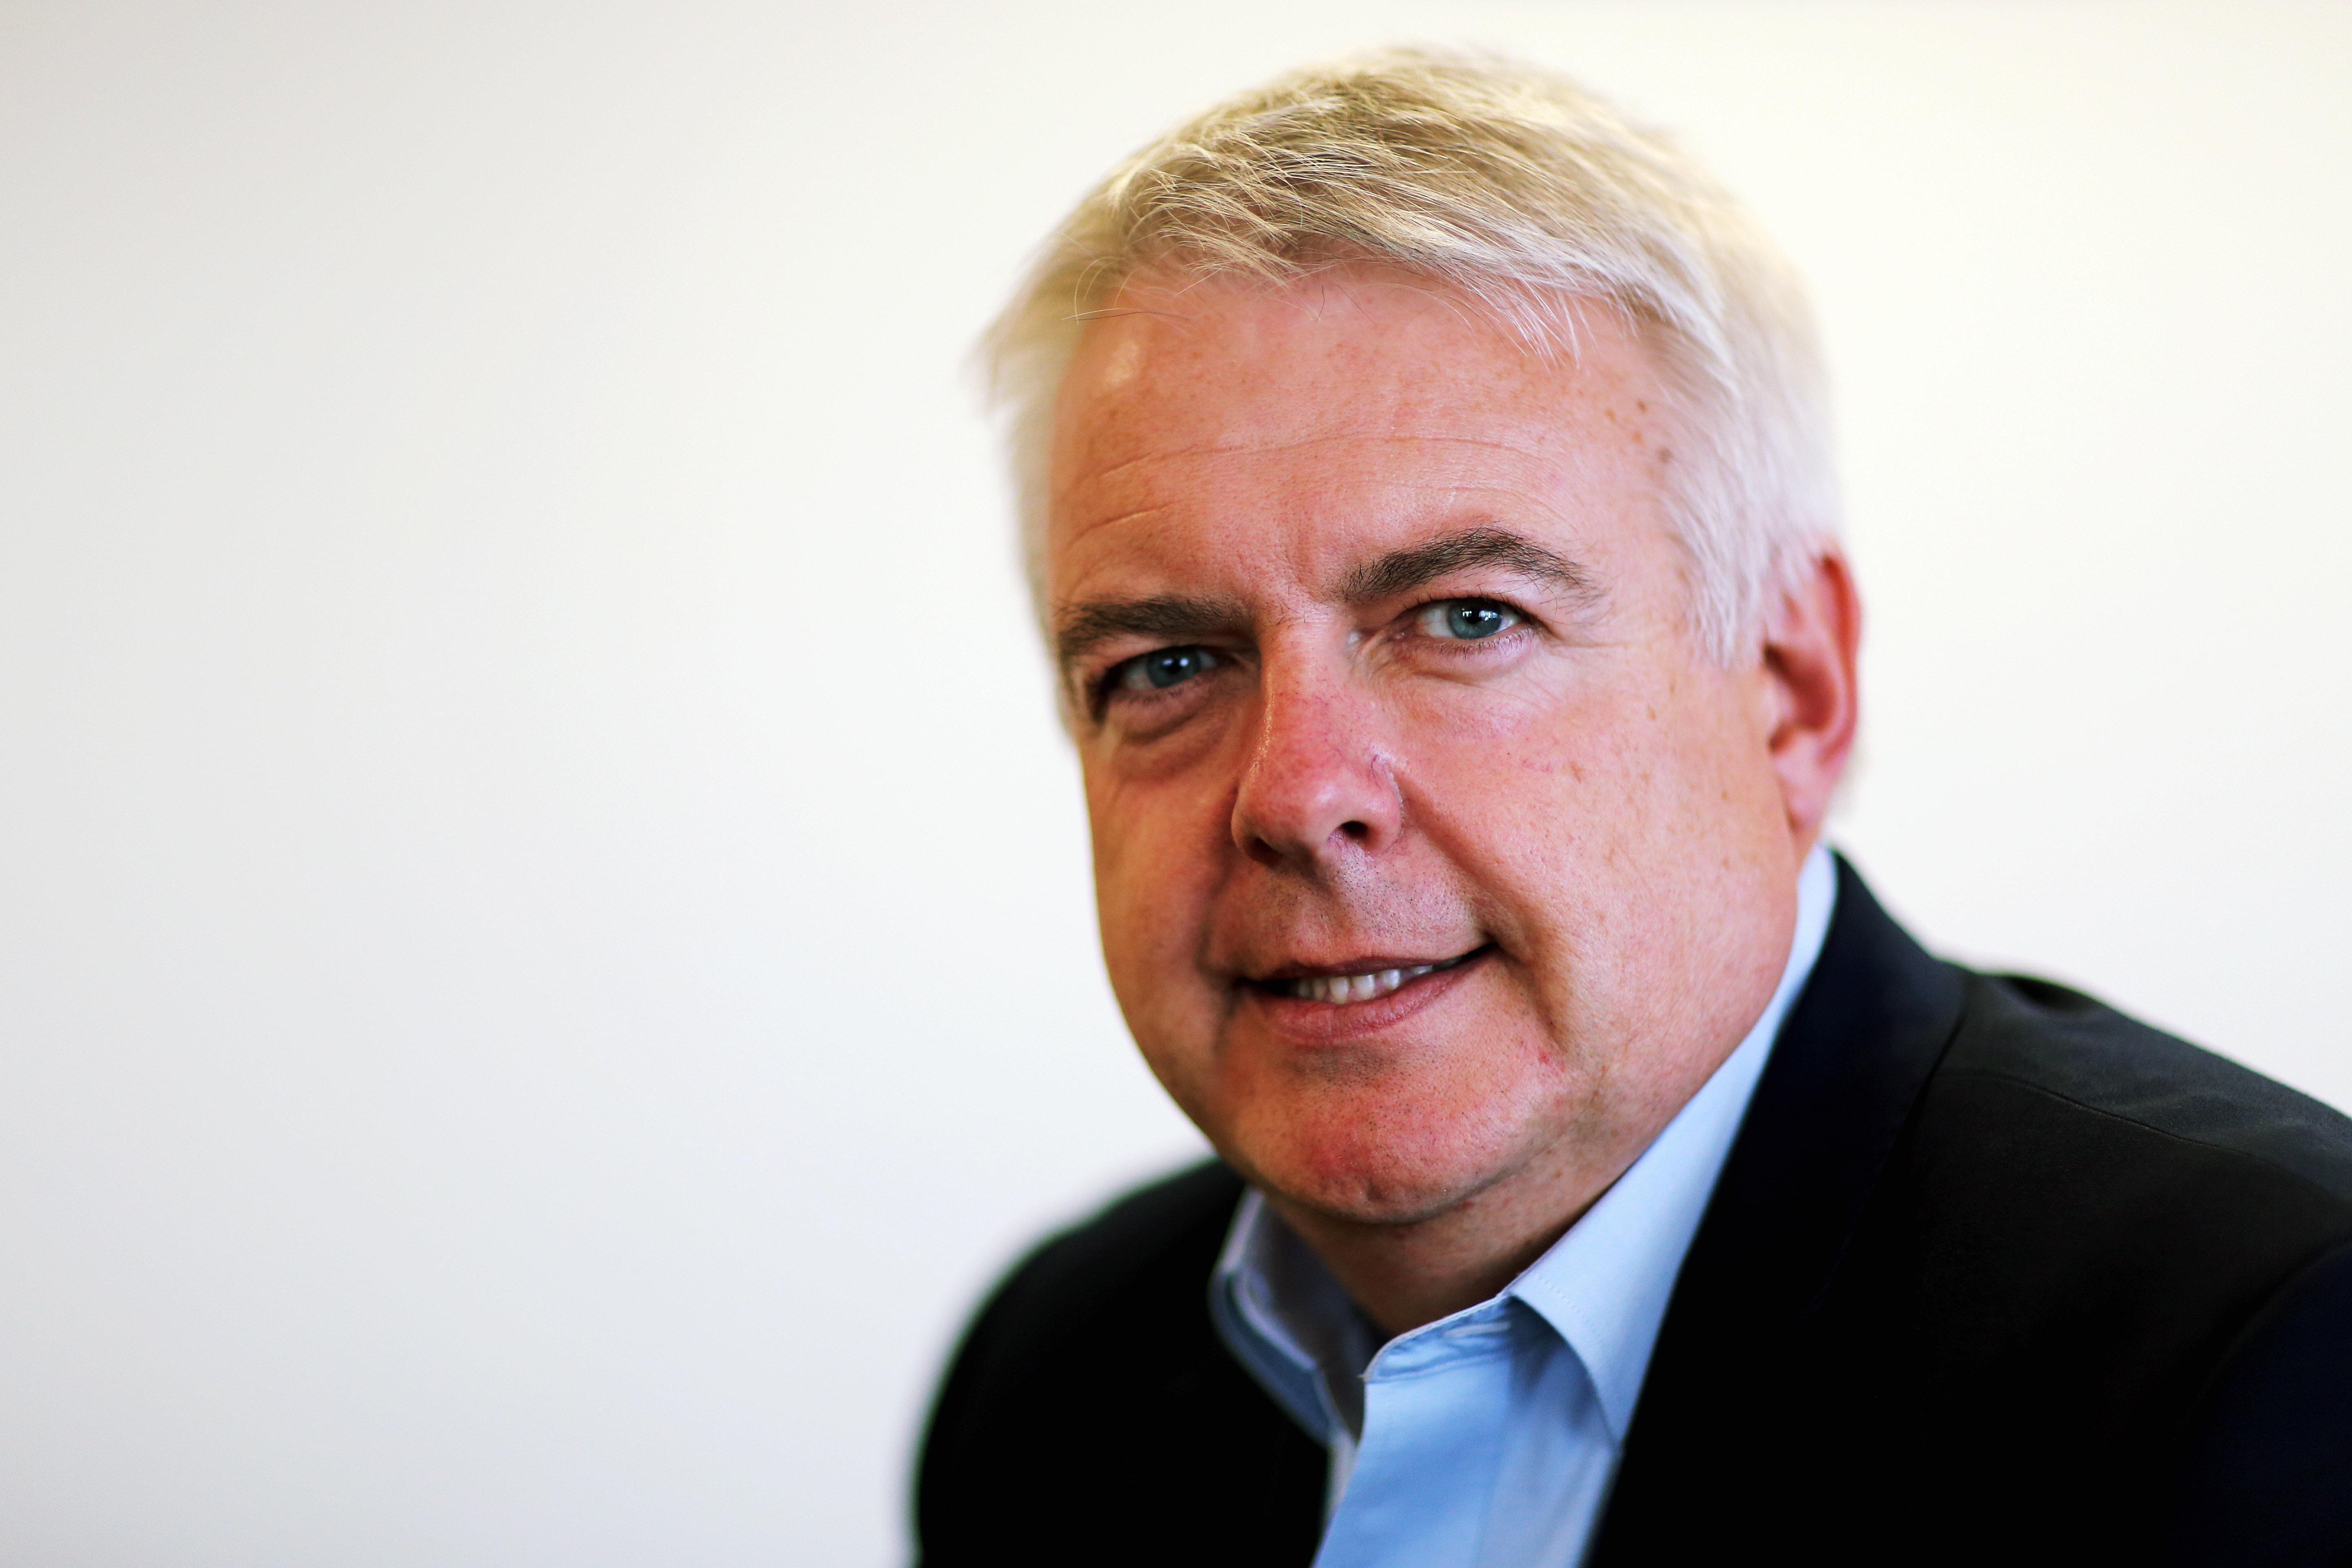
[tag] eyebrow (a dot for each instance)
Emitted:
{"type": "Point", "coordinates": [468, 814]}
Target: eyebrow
{"type": "Point", "coordinates": [1418, 565]}
{"type": "Point", "coordinates": [1079, 629]}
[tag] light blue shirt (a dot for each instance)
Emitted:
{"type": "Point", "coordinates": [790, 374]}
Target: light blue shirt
{"type": "Point", "coordinates": [1488, 1439]}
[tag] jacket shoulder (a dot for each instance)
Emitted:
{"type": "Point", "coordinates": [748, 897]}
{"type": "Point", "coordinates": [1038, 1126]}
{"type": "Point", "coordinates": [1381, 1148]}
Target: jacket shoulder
{"type": "Point", "coordinates": [1991, 1254]}
{"type": "Point", "coordinates": [1118, 1256]}
{"type": "Point", "coordinates": [2084, 1220]}
{"type": "Point", "coordinates": [2088, 1063]}
{"type": "Point", "coordinates": [2153, 1244]}
{"type": "Point", "coordinates": [1092, 1415]}
{"type": "Point", "coordinates": [1129, 1282]}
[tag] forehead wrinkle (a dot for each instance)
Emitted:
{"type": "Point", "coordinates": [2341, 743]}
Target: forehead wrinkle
{"type": "Point", "coordinates": [1131, 516]}
{"type": "Point", "coordinates": [1098, 476]}
{"type": "Point", "coordinates": [1144, 459]}
{"type": "Point", "coordinates": [1227, 448]}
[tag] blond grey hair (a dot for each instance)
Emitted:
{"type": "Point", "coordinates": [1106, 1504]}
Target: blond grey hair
{"type": "Point", "coordinates": [1526, 198]}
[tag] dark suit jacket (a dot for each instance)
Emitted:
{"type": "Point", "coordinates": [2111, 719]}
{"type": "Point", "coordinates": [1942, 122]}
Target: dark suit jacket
{"type": "Point", "coordinates": [1992, 1275]}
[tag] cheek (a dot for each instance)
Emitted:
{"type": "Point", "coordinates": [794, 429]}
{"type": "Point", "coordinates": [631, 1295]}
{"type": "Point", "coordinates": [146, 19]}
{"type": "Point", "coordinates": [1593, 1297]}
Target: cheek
{"type": "Point", "coordinates": [1574, 818]}
{"type": "Point", "coordinates": [1157, 869]}
{"type": "Point", "coordinates": [1714, 760]}
{"type": "Point", "coordinates": [1508, 777]}
{"type": "Point", "coordinates": [1154, 886]}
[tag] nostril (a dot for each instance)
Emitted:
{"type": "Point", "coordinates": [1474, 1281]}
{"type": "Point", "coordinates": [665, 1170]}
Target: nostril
{"type": "Point", "coordinates": [1356, 830]}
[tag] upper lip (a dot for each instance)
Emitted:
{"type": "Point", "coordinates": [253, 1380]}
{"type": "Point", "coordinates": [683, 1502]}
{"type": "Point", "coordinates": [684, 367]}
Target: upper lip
{"type": "Point", "coordinates": [1370, 965]}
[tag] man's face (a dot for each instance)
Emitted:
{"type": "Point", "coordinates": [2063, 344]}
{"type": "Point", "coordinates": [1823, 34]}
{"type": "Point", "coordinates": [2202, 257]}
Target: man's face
{"type": "Point", "coordinates": [1432, 856]}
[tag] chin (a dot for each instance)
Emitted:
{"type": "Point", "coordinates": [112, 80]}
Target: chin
{"type": "Point", "coordinates": [1379, 1159]}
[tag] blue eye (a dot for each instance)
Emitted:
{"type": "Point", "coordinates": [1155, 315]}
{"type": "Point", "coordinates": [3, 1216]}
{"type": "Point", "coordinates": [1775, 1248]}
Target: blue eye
{"type": "Point", "coordinates": [1162, 668]}
{"type": "Point", "coordinates": [1467, 620]}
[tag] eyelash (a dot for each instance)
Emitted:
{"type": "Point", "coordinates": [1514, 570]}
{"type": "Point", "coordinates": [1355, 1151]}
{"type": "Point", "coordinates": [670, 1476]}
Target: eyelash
{"type": "Point", "coordinates": [1517, 617]}
{"type": "Point", "coordinates": [1108, 684]}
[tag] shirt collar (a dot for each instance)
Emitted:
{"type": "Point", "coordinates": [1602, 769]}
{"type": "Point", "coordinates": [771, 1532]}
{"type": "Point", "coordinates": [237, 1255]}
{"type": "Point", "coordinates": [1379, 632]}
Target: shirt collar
{"type": "Point", "coordinates": [1603, 1287]}
{"type": "Point", "coordinates": [1284, 1315]}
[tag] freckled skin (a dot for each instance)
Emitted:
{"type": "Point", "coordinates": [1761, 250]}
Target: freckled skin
{"type": "Point", "coordinates": [1610, 818]}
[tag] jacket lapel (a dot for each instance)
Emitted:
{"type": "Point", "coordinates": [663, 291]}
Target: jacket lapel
{"type": "Point", "coordinates": [1850, 1064]}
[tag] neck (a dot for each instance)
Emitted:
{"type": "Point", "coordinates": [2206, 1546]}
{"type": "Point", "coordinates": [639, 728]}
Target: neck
{"type": "Point", "coordinates": [1406, 1273]}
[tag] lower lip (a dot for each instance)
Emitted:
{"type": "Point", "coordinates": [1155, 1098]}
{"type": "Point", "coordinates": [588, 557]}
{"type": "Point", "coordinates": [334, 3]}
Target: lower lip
{"type": "Point", "coordinates": [1337, 1023]}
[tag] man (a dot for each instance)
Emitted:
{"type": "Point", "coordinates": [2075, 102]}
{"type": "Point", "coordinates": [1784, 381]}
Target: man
{"type": "Point", "coordinates": [1429, 511]}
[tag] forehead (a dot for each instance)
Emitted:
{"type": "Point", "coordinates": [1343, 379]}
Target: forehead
{"type": "Point", "coordinates": [1228, 420]}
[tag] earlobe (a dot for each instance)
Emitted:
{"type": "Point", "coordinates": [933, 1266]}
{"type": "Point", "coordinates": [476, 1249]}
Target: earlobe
{"type": "Point", "coordinates": [1811, 646]}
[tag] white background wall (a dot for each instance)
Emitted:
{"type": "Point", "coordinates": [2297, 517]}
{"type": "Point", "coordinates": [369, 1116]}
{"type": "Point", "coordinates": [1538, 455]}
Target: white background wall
{"type": "Point", "coordinates": [545, 951]}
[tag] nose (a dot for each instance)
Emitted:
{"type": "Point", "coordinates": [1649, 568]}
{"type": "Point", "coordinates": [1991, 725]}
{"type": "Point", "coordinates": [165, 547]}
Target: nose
{"type": "Point", "coordinates": [1319, 783]}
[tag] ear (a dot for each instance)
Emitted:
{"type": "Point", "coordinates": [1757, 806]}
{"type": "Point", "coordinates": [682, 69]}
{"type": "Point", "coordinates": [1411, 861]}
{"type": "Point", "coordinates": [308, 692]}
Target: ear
{"type": "Point", "coordinates": [1811, 641]}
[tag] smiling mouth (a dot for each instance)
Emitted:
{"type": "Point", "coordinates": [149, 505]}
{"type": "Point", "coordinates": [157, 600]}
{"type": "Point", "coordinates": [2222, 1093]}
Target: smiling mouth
{"type": "Point", "coordinates": [1340, 990]}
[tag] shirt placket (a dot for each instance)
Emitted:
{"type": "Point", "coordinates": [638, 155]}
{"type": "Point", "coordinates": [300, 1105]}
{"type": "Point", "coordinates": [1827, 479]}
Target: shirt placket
{"type": "Point", "coordinates": [1431, 1445]}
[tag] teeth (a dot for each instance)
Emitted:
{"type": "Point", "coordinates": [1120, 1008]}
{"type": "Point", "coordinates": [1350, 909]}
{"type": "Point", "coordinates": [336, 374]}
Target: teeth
{"type": "Point", "coordinates": [1344, 988]}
